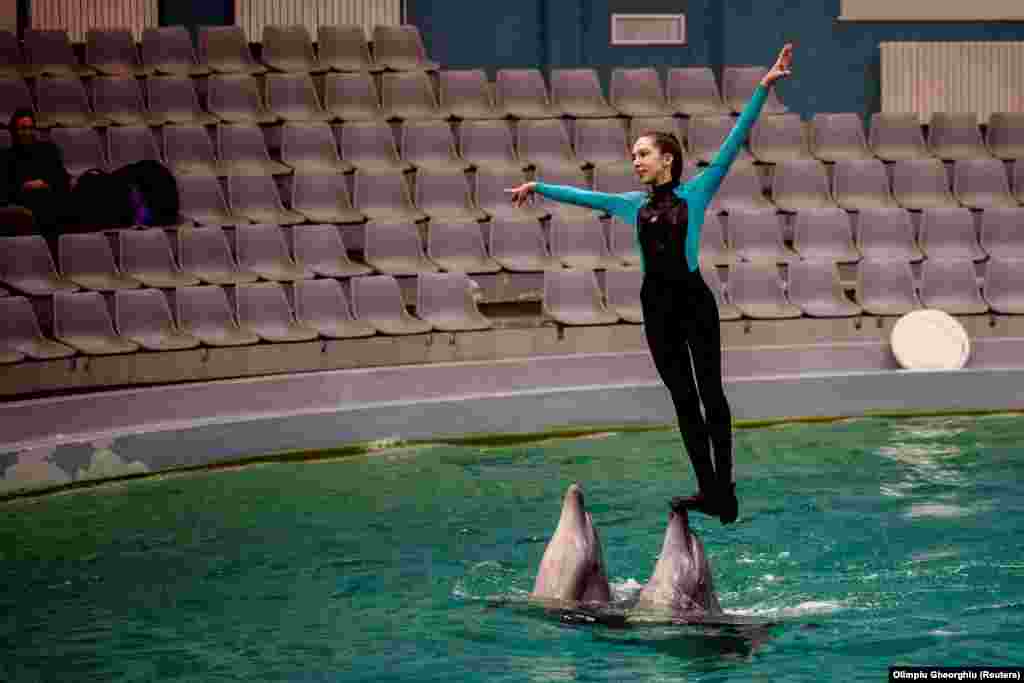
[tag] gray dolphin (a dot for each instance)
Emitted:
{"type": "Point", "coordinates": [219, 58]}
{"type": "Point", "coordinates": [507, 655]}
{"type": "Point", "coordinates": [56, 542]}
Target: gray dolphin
{"type": "Point", "coordinates": [573, 569]}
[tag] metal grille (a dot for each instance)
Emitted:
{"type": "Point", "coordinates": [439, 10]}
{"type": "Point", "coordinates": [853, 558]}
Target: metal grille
{"type": "Point", "coordinates": [253, 15]}
{"type": "Point", "coordinates": [78, 16]}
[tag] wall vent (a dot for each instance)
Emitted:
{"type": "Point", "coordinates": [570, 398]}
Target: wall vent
{"type": "Point", "coordinates": [648, 29]}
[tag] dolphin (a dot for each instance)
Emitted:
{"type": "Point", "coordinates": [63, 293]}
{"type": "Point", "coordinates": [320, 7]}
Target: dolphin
{"type": "Point", "coordinates": [573, 569]}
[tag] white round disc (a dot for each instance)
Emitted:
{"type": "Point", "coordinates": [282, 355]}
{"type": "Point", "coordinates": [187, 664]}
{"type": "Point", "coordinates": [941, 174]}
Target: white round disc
{"type": "Point", "coordinates": [930, 339]}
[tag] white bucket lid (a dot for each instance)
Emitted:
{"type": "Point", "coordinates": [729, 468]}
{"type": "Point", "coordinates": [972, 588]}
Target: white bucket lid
{"type": "Point", "coordinates": [930, 339]}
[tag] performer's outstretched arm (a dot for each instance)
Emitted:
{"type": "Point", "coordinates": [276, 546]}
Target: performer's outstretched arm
{"type": "Point", "coordinates": [618, 205]}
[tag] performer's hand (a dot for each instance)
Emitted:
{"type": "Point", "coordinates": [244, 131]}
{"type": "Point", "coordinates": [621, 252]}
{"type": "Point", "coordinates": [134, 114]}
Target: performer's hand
{"type": "Point", "coordinates": [37, 184]}
{"type": "Point", "coordinates": [522, 194]}
{"type": "Point", "coordinates": [782, 66]}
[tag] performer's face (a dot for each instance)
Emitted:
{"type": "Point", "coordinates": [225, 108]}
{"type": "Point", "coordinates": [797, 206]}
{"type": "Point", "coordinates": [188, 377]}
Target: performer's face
{"type": "Point", "coordinates": [651, 166]}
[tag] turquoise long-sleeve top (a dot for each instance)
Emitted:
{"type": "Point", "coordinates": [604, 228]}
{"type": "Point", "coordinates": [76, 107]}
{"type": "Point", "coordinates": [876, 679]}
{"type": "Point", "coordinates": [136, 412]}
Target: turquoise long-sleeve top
{"type": "Point", "coordinates": [696, 192]}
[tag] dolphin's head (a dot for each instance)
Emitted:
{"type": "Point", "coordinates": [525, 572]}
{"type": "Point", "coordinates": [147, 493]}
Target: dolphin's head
{"type": "Point", "coordinates": [682, 577]}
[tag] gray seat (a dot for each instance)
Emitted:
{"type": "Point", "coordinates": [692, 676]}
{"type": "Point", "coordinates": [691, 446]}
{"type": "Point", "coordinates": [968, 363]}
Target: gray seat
{"type": "Point", "coordinates": [573, 177]}
{"type": "Point", "coordinates": [922, 184]}
{"type": "Point", "coordinates": [82, 149]}
{"type": "Point", "coordinates": [430, 145]}
{"type": "Point", "coordinates": [757, 237]}
{"type": "Point", "coordinates": [779, 138]}
{"type": "Point", "coordinates": [289, 48]}
{"type": "Point", "coordinates": [395, 248]}
{"type": "Point", "coordinates": [572, 297]}
{"type": "Point", "coordinates": [861, 184]}
{"type": "Point", "coordinates": [118, 99]}
{"type": "Point", "coordinates": [705, 135]}
{"type": "Point", "coordinates": [129, 144]}
{"type": "Point", "coordinates": [384, 195]}
{"type": "Point", "coordinates": [886, 287]}
{"type": "Point", "coordinates": [1005, 135]}
{"type": "Point", "coordinates": [12, 62]}
{"type": "Point", "coordinates": [693, 91]}
{"type": "Point", "coordinates": [738, 85]}
{"type": "Point", "coordinates": [61, 101]}
{"type": "Point", "coordinates": [458, 246]}
{"type": "Point", "coordinates": [445, 301]}
{"type": "Point", "coordinates": [258, 199]}
{"type": "Point", "coordinates": [143, 316]}
{"type": "Point", "coordinates": [352, 97]}
{"type": "Point", "coordinates": [623, 288]}
{"type": "Point", "coordinates": [522, 94]}
{"type": "Point", "coordinates": [343, 48]}
{"type": "Point", "coordinates": [86, 259]}
{"type": "Point", "coordinates": [617, 179]}
{"type": "Point", "coordinates": [1001, 234]}
{"type": "Point", "coordinates": [205, 313]}
{"type": "Point", "coordinates": [956, 137]}
{"type": "Point", "coordinates": [579, 242]}
{"type": "Point", "coordinates": [741, 190]}
{"type": "Point", "coordinates": [622, 241]}
{"type": "Point", "coordinates": [82, 321]}
{"type": "Point", "coordinates": [225, 49]}
{"type": "Point", "coordinates": [897, 137]}
{"type": "Point", "coordinates": [310, 147]}
{"type": "Point", "coordinates": [235, 98]}
{"type": "Point", "coordinates": [839, 137]}
{"type": "Point", "coordinates": [409, 95]}
{"type": "Point", "coordinates": [173, 99]}
{"type": "Point", "coordinates": [146, 256]}
{"type": "Point", "coordinates": [169, 50]}
{"type": "Point", "coordinates": [48, 52]}
{"type": "Point", "coordinates": [638, 92]}
{"type": "Point", "coordinates": [951, 286]}
{"type": "Point", "coordinates": [601, 142]}
{"type": "Point", "coordinates": [262, 250]}
{"type": "Point", "coordinates": [518, 244]}
{"type": "Point", "coordinates": [887, 235]}
{"type": "Point", "coordinates": [264, 310]}
{"type": "Point", "coordinates": [1017, 181]}
{"type": "Point", "coordinates": [321, 249]}
{"type": "Point", "coordinates": [205, 253]}
{"type": "Point", "coordinates": [189, 150]}
{"type": "Point", "coordinates": [323, 198]}
{"type": "Point", "coordinates": [370, 146]}
{"type": "Point", "coordinates": [112, 52]}
{"type": "Point", "coordinates": [726, 309]}
{"type": "Point", "coordinates": [377, 301]}
{"type": "Point", "coordinates": [323, 306]}
{"type": "Point", "coordinates": [203, 201]}
{"type": "Point", "coordinates": [801, 184]}
{"type": "Point", "coordinates": [14, 94]}
{"type": "Point", "coordinates": [1004, 288]}
{"type": "Point", "coordinates": [713, 246]}
{"type": "Point", "coordinates": [400, 48]}
{"type": "Point", "coordinates": [444, 194]}
{"type": "Point", "coordinates": [544, 145]}
{"type": "Point", "coordinates": [466, 94]}
{"type": "Point", "coordinates": [242, 150]}
{"type": "Point", "coordinates": [950, 234]}
{"type": "Point", "coordinates": [577, 92]}
{"type": "Point", "coordinates": [639, 125]}
{"type": "Point", "coordinates": [19, 331]}
{"type": "Point", "coordinates": [491, 195]}
{"type": "Point", "coordinates": [757, 291]}
{"type": "Point", "coordinates": [488, 144]}
{"type": "Point", "coordinates": [824, 235]}
{"type": "Point", "coordinates": [814, 286]}
{"type": "Point", "coordinates": [982, 184]}
{"type": "Point", "coordinates": [26, 265]}
{"type": "Point", "coordinates": [292, 97]}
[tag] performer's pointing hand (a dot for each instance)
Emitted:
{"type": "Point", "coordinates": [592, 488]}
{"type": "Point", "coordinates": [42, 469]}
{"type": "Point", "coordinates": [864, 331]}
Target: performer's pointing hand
{"type": "Point", "coordinates": [522, 194]}
{"type": "Point", "coordinates": [782, 66]}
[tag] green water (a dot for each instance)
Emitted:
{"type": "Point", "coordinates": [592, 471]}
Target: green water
{"type": "Point", "coordinates": [871, 542]}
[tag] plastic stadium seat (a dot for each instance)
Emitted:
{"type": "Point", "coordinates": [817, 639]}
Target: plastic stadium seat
{"type": "Point", "coordinates": [377, 301]}
{"type": "Point", "coordinates": [458, 246]}
{"type": "Point", "coordinates": [323, 198]}
{"type": "Point", "coordinates": [779, 138]}
{"type": "Point", "coordinates": [173, 99]}
{"type": "Point", "coordinates": [352, 97]}
{"type": "Point", "coordinates": [951, 286]}
{"type": "Point", "coordinates": [445, 194]}
{"type": "Point", "coordinates": [61, 101]}
{"type": "Point", "coordinates": [323, 306]}
{"type": "Point", "coordinates": [824, 235]}
{"type": "Point", "coordinates": [741, 190]}
{"type": "Point", "coordinates": [489, 144]}
{"type": "Point", "coordinates": [202, 201]}
{"type": "Point", "coordinates": [692, 91]}
{"type": "Point", "coordinates": [1001, 234]}
{"type": "Point", "coordinates": [1018, 181]}
{"type": "Point", "coordinates": [705, 135]}
{"type": "Point", "coordinates": [579, 242]}
{"type": "Point", "coordinates": [118, 99]}
{"type": "Point", "coordinates": [262, 250]}
{"type": "Point", "coordinates": [522, 94]}
{"type": "Point", "coordinates": [344, 48]}
{"type": "Point", "coordinates": [225, 49]}
{"type": "Point", "coordinates": [290, 48]}
{"type": "Point", "coordinates": [922, 184]}
{"type": "Point", "coordinates": [82, 149]}
{"type": "Point", "coordinates": [577, 92]}
{"type": "Point", "coordinates": [738, 85]}
{"type": "Point", "coordinates": [956, 137]}
{"type": "Point", "coordinates": [128, 144]}
{"type": "Point", "coordinates": [205, 313]}
{"type": "Point", "coordinates": [617, 179]}
{"type": "Point", "coordinates": [430, 145]}
{"type": "Point", "coordinates": [493, 199]}
{"type": "Point", "coordinates": [400, 48]}
{"type": "Point", "coordinates": [14, 94]}
{"type": "Point", "coordinates": [310, 147]}
{"type": "Point", "coordinates": [370, 146]}
{"type": "Point", "coordinates": [624, 294]}
{"type": "Point", "coordinates": [12, 62]}
{"type": "Point", "coordinates": [600, 142]}
{"type": "Point", "coordinates": [243, 151]}
{"type": "Point", "coordinates": [258, 199]}
{"type": "Point", "coordinates": [86, 259]}
{"type": "Point", "coordinates": [950, 234]}
{"type": "Point", "coordinates": [146, 256]}
{"type": "Point", "coordinates": [839, 137]}
{"type": "Point", "coordinates": [861, 184]}
{"type": "Point", "coordinates": [757, 237]}
{"type": "Point", "coordinates": [814, 286]}
{"type": "Point", "coordinates": [518, 244]}
{"type": "Point", "coordinates": [263, 309]}
{"type": "Point", "coordinates": [445, 300]}
{"type": "Point", "coordinates": [798, 185]}
{"type": "Point", "coordinates": [713, 246]}
{"type": "Point", "coordinates": [642, 124]}
{"type": "Point", "coordinates": [573, 177]}
{"type": "Point", "coordinates": [168, 50]}
{"type": "Point", "coordinates": [235, 98]}
{"type": "Point", "coordinates": [1004, 286]}
{"type": "Point", "coordinates": [384, 195]}
{"type": "Point", "coordinates": [26, 265]}
{"type": "Point", "coordinates": [1005, 135]}
{"type": "Point", "coordinates": [19, 331]}
{"type": "Point", "coordinates": [205, 253]}
{"type": "Point", "coordinates": [188, 150]}
{"type": "Point", "coordinates": [466, 94]}
{"type": "Point", "coordinates": [622, 241]}
{"type": "Point", "coordinates": [638, 92]}
{"type": "Point", "coordinates": [82, 321]}
{"type": "Point", "coordinates": [982, 184]}
{"type": "Point", "coordinates": [544, 145]}
{"type": "Point", "coordinates": [886, 287]}
{"type": "Point", "coordinates": [320, 248]}
{"type": "Point", "coordinates": [394, 247]}
{"type": "Point", "coordinates": [726, 309]}
{"type": "Point", "coordinates": [887, 235]}
{"type": "Point", "coordinates": [572, 297]}
{"type": "Point", "coordinates": [897, 137]}
{"type": "Point", "coordinates": [293, 97]}
{"type": "Point", "coordinates": [112, 52]}
{"type": "Point", "coordinates": [409, 95]}
{"type": "Point", "coordinates": [757, 291]}
{"type": "Point", "coordinates": [143, 316]}
{"type": "Point", "coordinates": [48, 52]}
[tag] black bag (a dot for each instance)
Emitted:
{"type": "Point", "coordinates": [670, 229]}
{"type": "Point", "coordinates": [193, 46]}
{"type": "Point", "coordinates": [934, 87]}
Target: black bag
{"type": "Point", "coordinates": [102, 198]}
{"type": "Point", "coordinates": [158, 187]}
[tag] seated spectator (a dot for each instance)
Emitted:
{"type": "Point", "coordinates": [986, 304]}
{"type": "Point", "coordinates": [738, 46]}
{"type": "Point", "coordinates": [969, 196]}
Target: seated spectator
{"type": "Point", "coordinates": [33, 181]}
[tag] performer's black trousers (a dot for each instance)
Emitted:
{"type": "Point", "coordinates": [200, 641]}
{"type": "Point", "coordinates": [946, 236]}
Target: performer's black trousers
{"type": "Point", "coordinates": [681, 322]}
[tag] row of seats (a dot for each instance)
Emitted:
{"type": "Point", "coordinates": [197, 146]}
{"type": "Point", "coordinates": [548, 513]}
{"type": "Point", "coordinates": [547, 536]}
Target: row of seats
{"type": "Point", "coordinates": [222, 49]}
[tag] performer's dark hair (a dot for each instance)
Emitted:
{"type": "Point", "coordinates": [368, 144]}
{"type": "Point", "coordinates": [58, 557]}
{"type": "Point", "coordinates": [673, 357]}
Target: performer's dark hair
{"type": "Point", "coordinates": [667, 143]}
{"type": "Point", "coordinates": [20, 113]}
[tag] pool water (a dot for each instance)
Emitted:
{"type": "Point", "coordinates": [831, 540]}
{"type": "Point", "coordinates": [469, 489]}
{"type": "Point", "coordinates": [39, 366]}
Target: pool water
{"type": "Point", "coordinates": [869, 542]}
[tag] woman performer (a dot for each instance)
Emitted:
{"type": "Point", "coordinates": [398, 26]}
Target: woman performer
{"type": "Point", "coordinates": [680, 315]}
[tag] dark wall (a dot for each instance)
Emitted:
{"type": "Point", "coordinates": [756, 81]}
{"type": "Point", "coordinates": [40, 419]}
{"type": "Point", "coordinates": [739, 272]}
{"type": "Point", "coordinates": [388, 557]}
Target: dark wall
{"type": "Point", "coordinates": [194, 13]}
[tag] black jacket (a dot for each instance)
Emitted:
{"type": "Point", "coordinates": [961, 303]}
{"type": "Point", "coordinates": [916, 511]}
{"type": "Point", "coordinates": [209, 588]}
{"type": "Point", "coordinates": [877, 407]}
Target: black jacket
{"type": "Point", "coordinates": [20, 163]}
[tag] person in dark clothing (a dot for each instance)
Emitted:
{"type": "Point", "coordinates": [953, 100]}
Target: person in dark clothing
{"type": "Point", "coordinates": [32, 176]}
